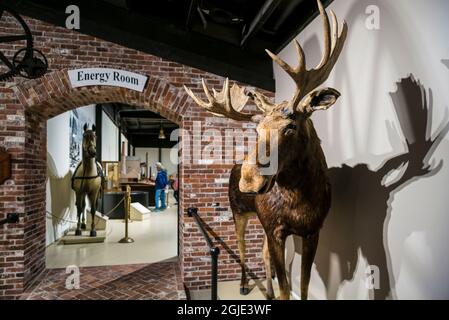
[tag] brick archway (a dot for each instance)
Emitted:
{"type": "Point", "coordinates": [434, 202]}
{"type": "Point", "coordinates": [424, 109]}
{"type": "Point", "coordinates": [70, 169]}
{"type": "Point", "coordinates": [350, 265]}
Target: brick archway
{"type": "Point", "coordinates": [51, 95]}
{"type": "Point", "coordinates": [29, 104]}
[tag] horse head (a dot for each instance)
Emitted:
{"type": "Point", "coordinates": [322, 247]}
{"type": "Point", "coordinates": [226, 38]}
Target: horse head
{"type": "Point", "coordinates": [89, 142]}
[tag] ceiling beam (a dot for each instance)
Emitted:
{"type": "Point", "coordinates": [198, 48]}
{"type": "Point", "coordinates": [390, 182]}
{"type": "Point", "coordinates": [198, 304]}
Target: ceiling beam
{"type": "Point", "coordinates": [141, 114]}
{"type": "Point", "coordinates": [148, 142]}
{"type": "Point", "coordinates": [154, 36]}
{"type": "Point", "coordinates": [285, 11]}
{"type": "Point", "coordinates": [262, 16]}
{"type": "Point", "coordinates": [311, 12]}
{"type": "Point", "coordinates": [149, 132]}
{"type": "Point", "coordinates": [192, 9]}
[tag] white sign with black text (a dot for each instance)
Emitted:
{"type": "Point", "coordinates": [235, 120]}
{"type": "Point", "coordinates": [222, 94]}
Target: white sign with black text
{"type": "Point", "coordinates": [107, 77]}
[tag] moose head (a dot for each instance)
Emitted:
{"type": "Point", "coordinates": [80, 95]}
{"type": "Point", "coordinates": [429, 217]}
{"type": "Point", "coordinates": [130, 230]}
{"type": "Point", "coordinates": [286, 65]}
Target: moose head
{"type": "Point", "coordinates": [289, 120]}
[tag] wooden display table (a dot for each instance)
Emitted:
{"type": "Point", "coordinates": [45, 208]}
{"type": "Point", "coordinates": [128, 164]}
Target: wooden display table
{"type": "Point", "coordinates": [147, 187]}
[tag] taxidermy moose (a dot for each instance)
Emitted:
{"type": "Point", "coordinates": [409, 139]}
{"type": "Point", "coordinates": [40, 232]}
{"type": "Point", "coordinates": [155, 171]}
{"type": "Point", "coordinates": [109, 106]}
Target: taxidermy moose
{"type": "Point", "coordinates": [295, 199]}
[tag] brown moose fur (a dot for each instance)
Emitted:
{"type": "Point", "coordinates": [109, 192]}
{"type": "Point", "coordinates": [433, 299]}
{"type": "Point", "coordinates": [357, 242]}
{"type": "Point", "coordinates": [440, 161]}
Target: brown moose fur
{"type": "Point", "coordinates": [297, 203]}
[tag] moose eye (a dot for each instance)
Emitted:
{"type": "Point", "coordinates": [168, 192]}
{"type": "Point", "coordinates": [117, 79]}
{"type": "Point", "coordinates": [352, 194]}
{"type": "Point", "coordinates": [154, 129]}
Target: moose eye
{"type": "Point", "coordinates": [290, 128]}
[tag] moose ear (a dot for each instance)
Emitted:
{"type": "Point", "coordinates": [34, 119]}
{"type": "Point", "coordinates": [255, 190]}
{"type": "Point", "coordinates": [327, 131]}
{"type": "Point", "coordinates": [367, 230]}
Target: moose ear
{"type": "Point", "coordinates": [323, 99]}
{"type": "Point", "coordinates": [85, 127]}
{"type": "Point", "coordinates": [93, 128]}
{"type": "Point", "coordinates": [319, 99]}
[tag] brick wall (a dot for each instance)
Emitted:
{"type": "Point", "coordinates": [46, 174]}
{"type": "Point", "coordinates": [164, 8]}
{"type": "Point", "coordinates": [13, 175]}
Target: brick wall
{"type": "Point", "coordinates": [26, 105]}
{"type": "Point", "coordinates": [12, 194]}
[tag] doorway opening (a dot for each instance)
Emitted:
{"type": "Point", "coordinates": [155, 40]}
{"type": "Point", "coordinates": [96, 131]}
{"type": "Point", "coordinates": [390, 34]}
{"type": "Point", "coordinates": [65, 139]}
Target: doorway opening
{"type": "Point", "coordinates": [130, 142]}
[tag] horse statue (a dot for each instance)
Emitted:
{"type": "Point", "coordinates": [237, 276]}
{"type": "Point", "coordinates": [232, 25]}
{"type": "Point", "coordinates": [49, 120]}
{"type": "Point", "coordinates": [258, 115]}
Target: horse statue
{"type": "Point", "coordinates": [87, 180]}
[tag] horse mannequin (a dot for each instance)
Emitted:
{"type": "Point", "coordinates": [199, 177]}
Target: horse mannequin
{"type": "Point", "coordinates": [87, 180]}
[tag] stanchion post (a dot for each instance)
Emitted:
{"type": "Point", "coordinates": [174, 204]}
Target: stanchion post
{"type": "Point", "coordinates": [128, 192]}
{"type": "Point", "coordinates": [214, 252]}
{"type": "Point", "coordinates": [127, 206]}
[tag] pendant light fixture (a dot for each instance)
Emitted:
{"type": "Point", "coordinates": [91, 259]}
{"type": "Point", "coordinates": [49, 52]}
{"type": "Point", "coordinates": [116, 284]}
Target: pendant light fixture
{"type": "Point", "coordinates": [161, 133]}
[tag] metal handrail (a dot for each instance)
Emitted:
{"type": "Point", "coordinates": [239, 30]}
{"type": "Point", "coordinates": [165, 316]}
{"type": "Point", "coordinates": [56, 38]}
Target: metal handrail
{"type": "Point", "coordinates": [213, 251]}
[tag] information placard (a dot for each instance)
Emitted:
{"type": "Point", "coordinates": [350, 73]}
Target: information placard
{"type": "Point", "coordinates": [107, 77]}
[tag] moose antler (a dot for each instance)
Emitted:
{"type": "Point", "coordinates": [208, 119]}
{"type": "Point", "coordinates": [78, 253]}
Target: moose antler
{"type": "Point", "coordinates": [262, 102]}
{"type": "Point", "coordinates": [230, 102]}
{"type": "Point", "coordinates": [227, 103]}
{"type": "Point", "coordinates": [308, 80]}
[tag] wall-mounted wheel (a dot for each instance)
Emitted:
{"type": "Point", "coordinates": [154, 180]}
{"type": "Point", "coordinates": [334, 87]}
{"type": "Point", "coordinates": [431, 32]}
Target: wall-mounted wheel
{"type": "Point", "coordinates": [23, 38]}
{"type": "Point", "coordinates": [30, 64]}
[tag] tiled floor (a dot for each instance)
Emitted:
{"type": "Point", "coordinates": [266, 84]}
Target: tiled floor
{"type": "Point", "coordinates": [230, 290]}
{"type": "Point", "coordinates": [157, 281]}
{"type": "Point", "coordinates": [155, 240]}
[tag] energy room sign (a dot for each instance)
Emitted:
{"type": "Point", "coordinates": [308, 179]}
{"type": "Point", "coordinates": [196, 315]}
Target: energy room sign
{"type": "Point", "coordinates": [107, 77]}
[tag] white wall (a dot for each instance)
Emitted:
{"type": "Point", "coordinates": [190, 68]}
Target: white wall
{"type": "Point", "coordinates": [153, 157]}
{"type": "Point", "coordinates": [60, 199]}
{"type": "Point", "coordinates": [403, 229]}
{"type": "Point", "coordinates": [172, 168]}
{"type": "Point", "coordinates": [123, 139]}
{"type": "Point", "coordinates": [109, 139]}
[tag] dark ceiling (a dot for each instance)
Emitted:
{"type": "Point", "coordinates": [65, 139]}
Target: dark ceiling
{"type": "Point", "coordinates": [225, 37]}
{"type": "Point", "coordinates": [141, 127]}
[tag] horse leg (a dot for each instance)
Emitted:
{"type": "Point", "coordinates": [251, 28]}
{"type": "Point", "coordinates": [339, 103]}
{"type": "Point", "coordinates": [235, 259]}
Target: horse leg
{"type": "Point", "coordinates": [277, 253]}
{"type": "Point", "coordinates": [241, 221]}
{"type": "Point", "coordinates": [309, 246]}
{"type": "Point", "coordinates": [79, 211]}
{"type": "Point", "coordinates": [267, 263]}
{"type": "Point", "coordinates": [93, 209]}
{"type": "Point", "coordinates": [83, 214]}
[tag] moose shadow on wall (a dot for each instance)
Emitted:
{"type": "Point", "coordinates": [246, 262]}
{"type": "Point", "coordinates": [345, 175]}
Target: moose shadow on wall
{"type": "Point", "coordinates": [445, 62]}
{"type": "Point", "coordinates": [362, 197]}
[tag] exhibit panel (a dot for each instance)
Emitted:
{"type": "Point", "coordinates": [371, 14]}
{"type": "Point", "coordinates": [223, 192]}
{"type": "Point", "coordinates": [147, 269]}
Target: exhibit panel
{"type": "Point", "coordinates": [64, 137]}
{"type": "Point", "coordinates": [110, 149]}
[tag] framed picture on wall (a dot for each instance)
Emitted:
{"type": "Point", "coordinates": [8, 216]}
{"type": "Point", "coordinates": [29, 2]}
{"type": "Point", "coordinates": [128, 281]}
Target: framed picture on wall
{"type": "Point", "coordinates": [78, 117]}
{"type": "Point", "coordinates": [76, 139]}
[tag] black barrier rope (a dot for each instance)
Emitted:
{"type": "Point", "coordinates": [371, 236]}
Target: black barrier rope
{"type": "Point", "coordinates": [50, 214]}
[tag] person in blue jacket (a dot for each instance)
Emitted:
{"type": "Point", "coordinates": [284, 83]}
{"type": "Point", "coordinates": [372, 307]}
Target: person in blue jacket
{"type": "Point", "coordinates": [161, 183]}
